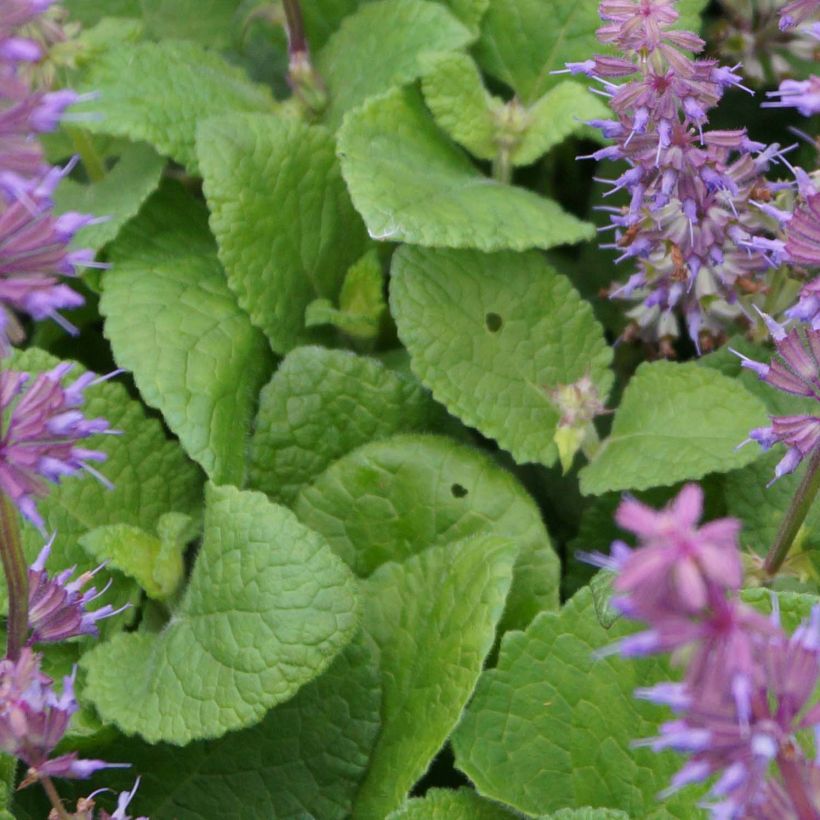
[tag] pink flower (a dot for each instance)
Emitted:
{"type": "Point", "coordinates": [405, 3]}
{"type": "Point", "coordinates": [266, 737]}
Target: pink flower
{"type": "Point", "coordinates": [677, 562]}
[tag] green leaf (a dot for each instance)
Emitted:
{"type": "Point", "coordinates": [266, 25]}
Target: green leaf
{"type": "Point", "coordinates": [455, 93]}
{"type": "Point", "coordinates": [210, 22]}
{"type": "Point", "coordinates": [174, 324]}
{"type": "Point", "coordinates": [675, 422]}
{"type": "Point", "coordinates": [381, 45]}
{"type": "Point", "coordinates": [491, 335]}
{"type": "Point", "coordinates": [286, 230]}
{"type": "Point", "coordinates": [361, 301]}
{"type": "Point", "coordinates": [553, 117]}
{"type": "Point", "coordinates": [305, 759]}
{"type": "Point", "coordinates": [8, 778]}
{"type": "Point", "coordinates": [470, 12]}
{"type": "Point", "coordinates": [433, 618]}
{"type": "Point", "coordinates": [447, 804]}
{"type": "Point", "coordinates": [391, 499]}
{"type": "Point", "coordinates": [411, 184]}
{"type": "Point", "coordinates": [321, 404]}
{"type": "Point", "coordinates": [151, 476]}
{"type": "Point", "coordinates": [522, 41]}
{"type": "Point", "coordinates": [795, 607]}
{"type": "Point", "coordinates": [763, 508]}
{"type": "Point", "coordinates": [154, 563]}
{"type": "Point", "coordinates": [588, 814]}
{"type": "Point", "coordinates": [551, 726]}
{"type": "Point", "coordinates": [118, 196]}
{"type": "Point", "coordinates": [362, 305]}
{"type": "Point", "coordinates": [89, 12]}
{"type": "Point", "coordinates": [267, 608]}
{"type": "Point", "coordinates": [157, 92]}
{"type": "Point", "coordinates": [322, 18]}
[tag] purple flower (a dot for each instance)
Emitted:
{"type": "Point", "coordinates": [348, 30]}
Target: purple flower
{"type": "Point", "coordinates": [690, 226]}
{"type": "Point", "coordinates": [85, 806]}
{"type": "Point", "coordinates": [798, 11]}
{"type": "Point", "coordinates": [58, 606]}
{"type": "Point", "coordinates": [796, 370]}
{"type": "Point", "coordinates": [740, 739]}
{"type": "Point", "coordinates": [803, 236]}
{"type": "Point", "coordinates": [34, 718]}
{"type": "Point", "coordinates": [804, 95]}
{"type": "Point", "coordinates": [807, 308]}
{"type": "Point", "coordinates": [42, 427]}
{"type": "Point", "coordinates": [34, 254]}
{"type": "Point", "coordinates": [13, 15]}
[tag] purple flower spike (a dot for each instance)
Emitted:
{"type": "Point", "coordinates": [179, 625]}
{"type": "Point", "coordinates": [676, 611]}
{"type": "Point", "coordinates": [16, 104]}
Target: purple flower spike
{"type": "Point", "coordinates": [58, 607]}
{"type": "Point", "coordinates": [34, 718]}
{"type": "Point", "coordinates": [691, 227]}
{"type": "Point", "coordinates": [740, 744]}
{"type": "Point", "coordinates": [795, 370]}
{"type": "Point", "coordinates": [41, 430]}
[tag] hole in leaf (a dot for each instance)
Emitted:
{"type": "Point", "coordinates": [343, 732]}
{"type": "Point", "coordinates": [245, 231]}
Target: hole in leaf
{"type": "Point", "coordinates": [493, 322]}
{"type": "Point", "coordinates": [458, 491]}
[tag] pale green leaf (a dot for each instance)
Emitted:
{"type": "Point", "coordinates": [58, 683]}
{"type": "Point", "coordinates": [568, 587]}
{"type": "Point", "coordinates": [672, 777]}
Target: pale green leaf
{"type": "Point", "coordinates": [411, 184]}
{"type": "Point", "coordinates": [491, 335]}
{"type": "Point", "coordinates": [362, 305]}
{"type": "Point", "coordinates": [433, 617]}
{"type": "Point", "coordinates": [267, 607]}
{"type": "Point", "coordinates": [151, 476]}
{"type": "Point", "coordinates": [588, 814]}
{"type": "Point", "coordinates": [381, 45]}
{"type": "Point", "coordinates": [116, 198]}
{"type": "Point", "coordinates": [552, 118]}
{"type": "Point", "coordinates": [449, 804]}
{"type": "Point", "coordinates": [174, 324]}
{"type": "Point", "coordinates": [155, 563]}
{"type": "Point", "coordinates": [551, 726]}
{"type": "Point", "coordinates": [455, 93]}
{"type": "Point", "coordinates": [391, 499]}
{"type": "Point", "coordinates": [321, 404]}
{"type": "Point", "coordinates": [286, 230]}
{"type": "Point", "coordinates": [158, 92]}
{"type": "Point", "coordinates": [675, 422]}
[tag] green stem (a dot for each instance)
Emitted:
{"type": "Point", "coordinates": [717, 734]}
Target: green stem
{"type": "Point", "coordinates": [54, 798]}
{"type": "Point", "coordinates": [92, 161]}
{"type": "Point", "coordinates": [16, 571]}
{"type": "Point", "coordinates": [795, 515]}
{"type": "Point", "coordinates": [502, 167]}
